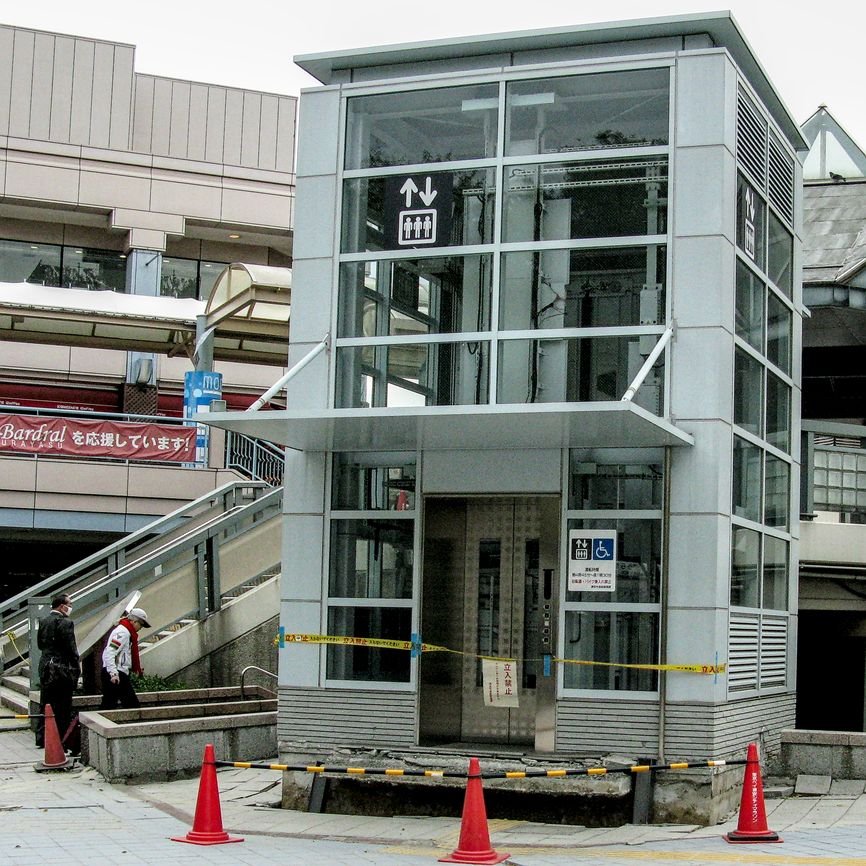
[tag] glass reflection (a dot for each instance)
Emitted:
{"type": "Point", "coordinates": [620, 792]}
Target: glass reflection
{"type": "Point", "coordinates": [583, 288]}
{"type": "Point", "coordinates": [412, 297]}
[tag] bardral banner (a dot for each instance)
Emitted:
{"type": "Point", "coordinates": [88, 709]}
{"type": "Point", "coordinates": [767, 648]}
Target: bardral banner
{"type": "Point", "coordinates": [73, 437]}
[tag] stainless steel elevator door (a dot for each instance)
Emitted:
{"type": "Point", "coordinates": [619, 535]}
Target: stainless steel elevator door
{"type": "Point", "coordinates": [501, 613]}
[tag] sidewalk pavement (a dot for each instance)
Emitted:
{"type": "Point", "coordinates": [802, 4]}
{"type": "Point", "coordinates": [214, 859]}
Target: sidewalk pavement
{"type": "Point", "coordinates": [77, 817]}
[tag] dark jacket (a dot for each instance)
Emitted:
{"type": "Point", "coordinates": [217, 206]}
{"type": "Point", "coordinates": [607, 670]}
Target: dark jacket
{"type": "Point", "coordinates": [56, 639]}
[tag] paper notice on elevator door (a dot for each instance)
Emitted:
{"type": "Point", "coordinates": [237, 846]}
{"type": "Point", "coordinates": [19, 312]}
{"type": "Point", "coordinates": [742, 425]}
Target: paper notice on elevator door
{"type": "Point", "coordinates": [499, 682]}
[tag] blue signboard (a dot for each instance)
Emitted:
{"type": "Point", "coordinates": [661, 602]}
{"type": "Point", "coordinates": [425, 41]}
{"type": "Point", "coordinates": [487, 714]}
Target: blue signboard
{"type": "Point", "coordinates": [200, 389]}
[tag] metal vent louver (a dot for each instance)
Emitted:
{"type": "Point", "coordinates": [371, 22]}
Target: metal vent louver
{"type": "Point", "coordinates": [781, 180]}
{"type": "Point", "coordinates": [743, 653]}
{"type": "Point", "coordinates": [774, 651]}
{"type": "Point", "coordinates": [751, 140]}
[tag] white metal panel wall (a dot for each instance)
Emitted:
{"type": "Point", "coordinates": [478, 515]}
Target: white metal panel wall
{"type": "Point", "coordinates": [65, 89]}
{"type": "Point", "coordinates": [338, 717]}
{"type": "Point", "coordinates": [706, 731]}
{"type": "Point", "coordinates": [597, 727]}
{"type": "Point", "coordinates": [213, 124]}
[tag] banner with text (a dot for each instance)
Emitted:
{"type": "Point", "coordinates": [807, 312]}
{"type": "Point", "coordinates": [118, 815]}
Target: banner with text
{"type": "Point", "coordinates": [73, 437]}
{"type": "Point", "coordinates": [499, 680]}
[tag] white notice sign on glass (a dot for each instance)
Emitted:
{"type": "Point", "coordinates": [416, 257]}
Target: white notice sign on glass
{"type": "Point", "coordinates": [592, 560]}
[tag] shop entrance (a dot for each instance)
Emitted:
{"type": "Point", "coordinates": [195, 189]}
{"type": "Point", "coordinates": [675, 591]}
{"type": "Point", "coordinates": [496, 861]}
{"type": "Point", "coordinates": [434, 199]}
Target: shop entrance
{"type": "Point", "coordinates": [489, 589]}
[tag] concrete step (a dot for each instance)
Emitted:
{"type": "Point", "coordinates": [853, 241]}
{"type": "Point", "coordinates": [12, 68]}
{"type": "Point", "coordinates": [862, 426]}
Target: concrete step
{"type": "Point", "coordinates": [13, 700]}
{"type": "Point", "coordinates": [16, 683]}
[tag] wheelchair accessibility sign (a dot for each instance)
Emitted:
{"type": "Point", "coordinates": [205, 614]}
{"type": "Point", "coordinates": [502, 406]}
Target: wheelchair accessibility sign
{"type": "Point", "coordinates": [592, 560]}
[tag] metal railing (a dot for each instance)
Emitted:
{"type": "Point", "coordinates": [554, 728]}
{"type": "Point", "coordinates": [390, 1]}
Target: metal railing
{"type": "Point", "coordinates": [256, 668]}
{"type": "Point", "coordinates": [187, 539]}
{"type": "Point", "coordinates": [258, 460]}
{"type": "Point", "coordinates": [833, 470]}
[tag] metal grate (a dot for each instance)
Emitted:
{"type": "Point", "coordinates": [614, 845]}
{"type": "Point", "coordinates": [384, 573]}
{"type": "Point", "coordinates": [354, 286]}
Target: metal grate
{"type": "Point", "coordinates": [743, 652]}
{"type": "Point", "coordinates": [774, 651]}
{"type": "Point", "coordinates": [781, 180]}
{"type": "Point", "coordinates": [751, 140]}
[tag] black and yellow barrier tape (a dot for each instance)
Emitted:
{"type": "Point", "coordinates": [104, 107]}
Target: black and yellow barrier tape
{"type": "Point", "coordinates": [285, 638]}
{"type": "Point", "coordinates": [493, 774]}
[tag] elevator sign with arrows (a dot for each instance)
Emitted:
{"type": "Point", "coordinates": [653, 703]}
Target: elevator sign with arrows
{"type": "Point", "coordinates": [418, 210]}
{"type": "Point", "coordinates": [592, 560]}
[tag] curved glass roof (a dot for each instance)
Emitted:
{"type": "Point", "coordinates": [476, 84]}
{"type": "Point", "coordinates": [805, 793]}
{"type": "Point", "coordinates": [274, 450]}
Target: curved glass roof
{"type": "Point", "coordinates": [252, 292]}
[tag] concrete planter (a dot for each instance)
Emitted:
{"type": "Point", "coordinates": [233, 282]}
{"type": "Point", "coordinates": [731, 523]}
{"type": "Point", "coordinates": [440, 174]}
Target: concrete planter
{"type": "Point", "coordinates": [166, 741]}
{"type": "Point", "coordinates": [840, 754]}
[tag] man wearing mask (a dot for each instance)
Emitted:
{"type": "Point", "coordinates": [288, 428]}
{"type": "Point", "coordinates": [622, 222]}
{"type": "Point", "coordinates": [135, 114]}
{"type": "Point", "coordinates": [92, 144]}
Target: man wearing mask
{"type": "Point", "coordinates": [119, 657]}
{"type": "Point", "coordinates": [59, 667]}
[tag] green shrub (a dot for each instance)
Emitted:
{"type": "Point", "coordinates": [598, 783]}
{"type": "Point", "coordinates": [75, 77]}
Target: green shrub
{"type": "Point", "coordinates": [151, 683]}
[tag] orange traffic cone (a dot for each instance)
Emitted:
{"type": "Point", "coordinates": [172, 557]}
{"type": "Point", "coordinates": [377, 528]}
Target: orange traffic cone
{"type": "Point", "coordinates": [54, 757]}
{"type": "Point", "coordinates": [207, 826]}
{"type": "Point", "coordinates": [474, 844]}
{"type": "Point", "coordinates": [752, 823]}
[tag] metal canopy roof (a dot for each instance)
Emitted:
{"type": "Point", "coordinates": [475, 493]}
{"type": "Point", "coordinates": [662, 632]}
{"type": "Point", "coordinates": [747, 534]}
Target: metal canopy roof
{"type": "Point", "coordinates": [447, 428]}
{"type": "Point", "coordinates": [99, 319]}
{"type": "Point", "coordinates": [719, 26]}
{"type": "Point", "coordinates": [248, 310]}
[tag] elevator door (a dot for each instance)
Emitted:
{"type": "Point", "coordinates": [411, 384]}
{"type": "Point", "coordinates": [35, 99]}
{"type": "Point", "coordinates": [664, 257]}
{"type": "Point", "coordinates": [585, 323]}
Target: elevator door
{"type": "Point", "coordinates": [502, 614]}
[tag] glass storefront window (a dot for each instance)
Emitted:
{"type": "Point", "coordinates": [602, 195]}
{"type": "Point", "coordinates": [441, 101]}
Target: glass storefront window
{"type": "Point", "coordinates": [595, 483]}
{"type": "Point", "coordinates": [588, 112]}
{"type": "Point", "coordinates": [745, 549]}
{"type": "Point", "coordinates": [748, 391]}
{"type": "Point", "coordinates": [750, 307]}
{"type": "Point", "coordinates": [367, 481]}
{"type": "Point", "coordinates": [93, 269]}
{"type": "Point", "coordinates": [579, 369]}
{"type": "Point", "coordinates": [638, 562]}
{"type": "Point", "coordinates": [775, 591]}
{"type": "Point", "coordinates": [409, 297]}
{"type": "Point", "coordinates": [625, 637]}
{"type": "Point", "coordinates": [561, 201]}
{"type": "Point", "coordinates": [778, 412]}
{"type": "Point", "coordinates": [746, 480]}
{"type": "Point", "coordinates": [208, 274]}
{"type": "Point", "coordinates": [582, 288]}
{"type": "Point", "coordinates": [26, 262]}
{"type": "Point", "coordinates": [751, 222]}
{"type": "Point", "coordinates": [779, 334]}
{"type": "Point", "coordinates": [777, 505]}
{"type": "Point", "coordinates": [375, 211]}
{"type": "Point", "coordinates": [369, 664]}
{"type": "Point", "coordinates": [412, 374]}
{"type": "Point", "coordinates": [371, 559]}
{"type": "Point", "coordinates": [179, 278]}
{"type": "Point", "coordinates": [780, 255]}
{"type": "Point", "coordinates": [437, 125]}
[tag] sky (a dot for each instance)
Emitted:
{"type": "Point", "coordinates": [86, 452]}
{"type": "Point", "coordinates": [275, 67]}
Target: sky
{"type": "Point", "coordinates": [812, 54]}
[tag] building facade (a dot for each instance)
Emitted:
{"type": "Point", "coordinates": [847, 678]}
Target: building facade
{"type": "Point", "coordinates": [116, 183]}
{"type": "Point", "coordinates": [558, 270]}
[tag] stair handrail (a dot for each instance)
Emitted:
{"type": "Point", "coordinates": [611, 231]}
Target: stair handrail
{"type": "Point", "coordinates": [144, 570]}
{"type": "Point", "coordinates": [105, 591]}
{"type": "Point", "coordinates": [254, 458]}
{"type": "Point", "coordinates": [230, 494]}
{"type": "Point", "coordinates": [255, 668]}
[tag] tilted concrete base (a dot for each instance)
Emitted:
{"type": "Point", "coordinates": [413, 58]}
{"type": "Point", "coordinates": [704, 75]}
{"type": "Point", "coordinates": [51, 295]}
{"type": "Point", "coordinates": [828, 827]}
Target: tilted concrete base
{"type": "Point", "coordinates": [699, 796]}
{"type": "Point", "coordinates": [167, 741]}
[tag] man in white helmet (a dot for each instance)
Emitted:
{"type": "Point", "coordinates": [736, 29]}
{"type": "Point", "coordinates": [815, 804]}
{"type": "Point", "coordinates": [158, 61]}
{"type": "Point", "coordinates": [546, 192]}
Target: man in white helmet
{"type": "Point", "coordinates": [119, 657]}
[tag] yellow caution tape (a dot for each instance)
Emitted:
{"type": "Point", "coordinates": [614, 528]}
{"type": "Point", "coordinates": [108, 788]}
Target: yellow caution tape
{"type": "Point", "coordinates": [380, 643]}
{"type": "Point", "coordinates": [11, 635]}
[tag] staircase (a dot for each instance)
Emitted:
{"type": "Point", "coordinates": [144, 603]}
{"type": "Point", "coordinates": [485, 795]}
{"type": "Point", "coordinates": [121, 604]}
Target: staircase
{"type": "Point", "coordinates": [185, 569]}
{"type": "Point", "coordinates": [15, 689]}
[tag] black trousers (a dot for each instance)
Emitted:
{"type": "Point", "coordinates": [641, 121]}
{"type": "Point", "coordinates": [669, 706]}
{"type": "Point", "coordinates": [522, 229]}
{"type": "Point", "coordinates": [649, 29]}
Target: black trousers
{"type": "Point", "coordinates": [59, 695]}
{"type": "Point", "coordinates": [122, 694]}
